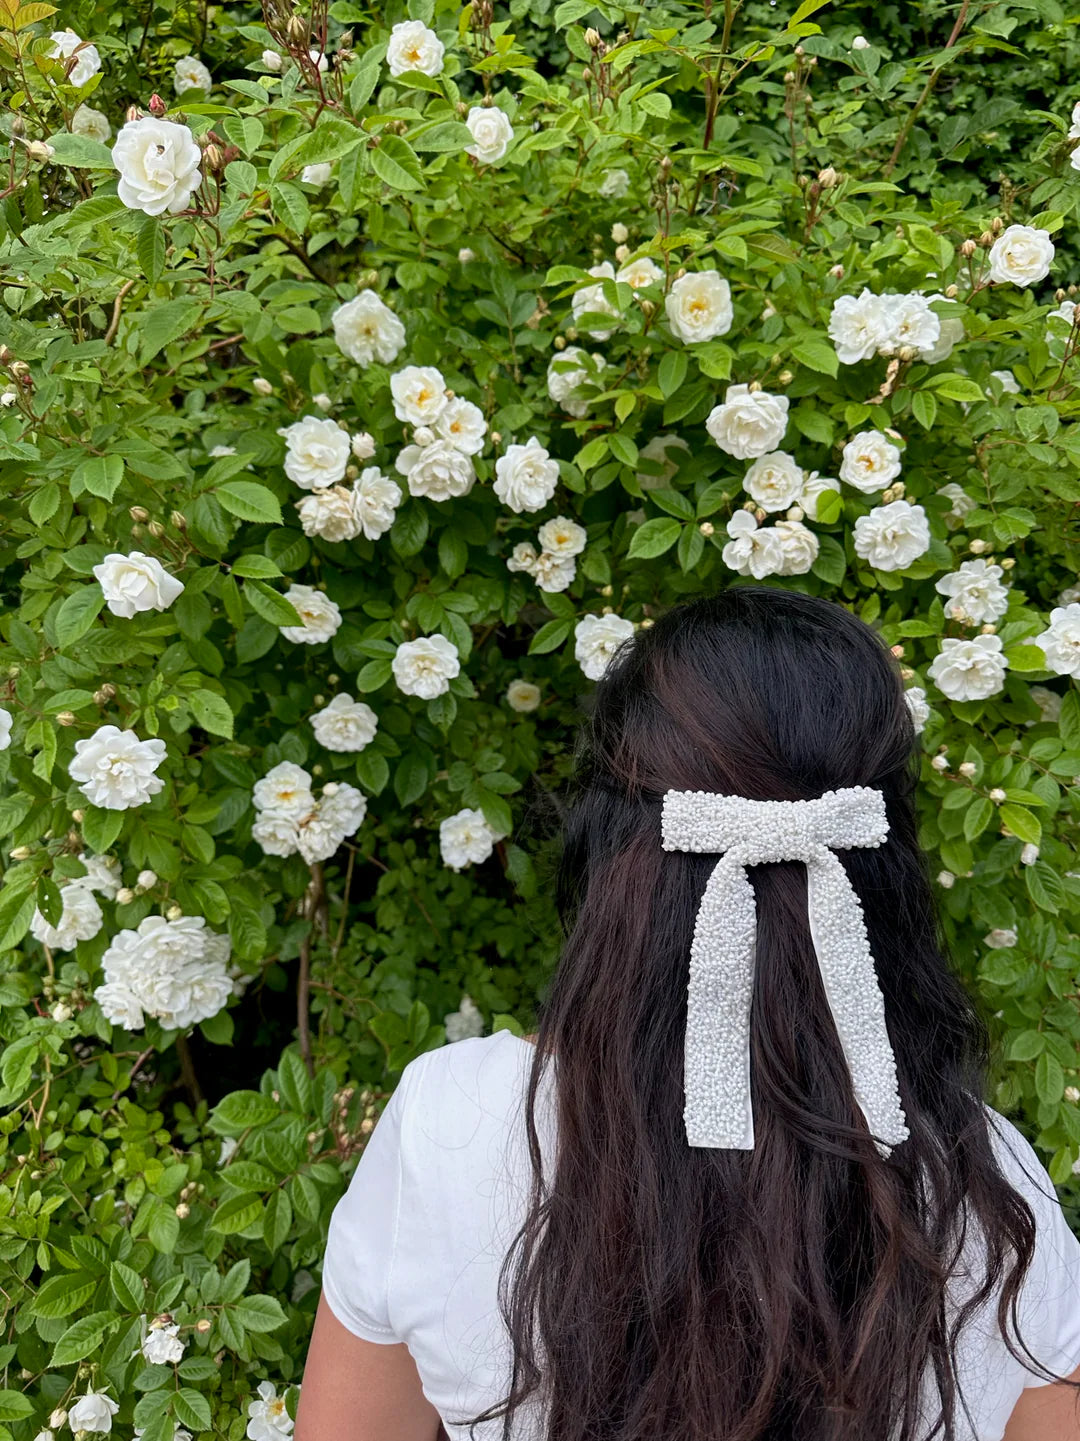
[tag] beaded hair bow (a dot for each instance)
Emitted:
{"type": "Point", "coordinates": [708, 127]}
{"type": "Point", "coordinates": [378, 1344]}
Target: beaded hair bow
{"type": "Point", "coordinates": [716, 1066]}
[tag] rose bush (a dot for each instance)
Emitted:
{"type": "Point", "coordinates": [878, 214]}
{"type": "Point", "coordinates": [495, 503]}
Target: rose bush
{"type": "Point", "coordinates": [359, 398]}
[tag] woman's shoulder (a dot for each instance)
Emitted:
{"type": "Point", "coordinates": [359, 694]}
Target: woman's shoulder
{"type": "Point", "coordinates": [451, 1095]}
{"type": "Point", "coordinates": [1018, 1159]}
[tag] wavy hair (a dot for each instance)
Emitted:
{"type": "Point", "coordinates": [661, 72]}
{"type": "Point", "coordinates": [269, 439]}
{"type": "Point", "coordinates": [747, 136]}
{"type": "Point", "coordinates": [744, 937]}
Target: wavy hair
{"type": "Point", "coordinates": [795, 1292]}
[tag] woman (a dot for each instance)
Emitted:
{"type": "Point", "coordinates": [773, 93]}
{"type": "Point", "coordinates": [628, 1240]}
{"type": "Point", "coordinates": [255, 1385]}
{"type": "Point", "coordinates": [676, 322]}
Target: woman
{"type": "Point", "coordinates": [776, 1213]}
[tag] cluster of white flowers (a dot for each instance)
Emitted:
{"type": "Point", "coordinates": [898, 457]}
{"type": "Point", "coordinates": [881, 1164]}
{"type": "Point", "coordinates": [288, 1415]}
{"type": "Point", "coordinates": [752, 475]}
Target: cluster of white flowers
{"type": "Point", "coordinates": [320, 615]}
{"type": "Point", "coordinates": [268, 1417]}
{"type": "Point", "coordinates": [173, 970]}
{"type": "Point", "coordinates": [554, 567]}
{"type": "Point", "coordinates": [526, 476]}
{"type": "Point", "coordinates": [367, 330]}
{"type": "Point", "coordinates": [80, 920]}
{"type": "Point", "coordinates": [864, 325]}
{"type": "Point", "coordinates": [426, 666]}
{"type": "Point", "coordinates": [136, 582]}
{"type": "Point", "coordinates": [465, 1022]}
{"type": "Point", "coordinates": [158, 162]}
{"type": "Point", "coordinates": [786, 548]}
{"type": "Point", "coordinates": [918, 707]}
{"type": "Point", "coordinates": [976, 595]}
{"type": "Point", "coordinates": [466, 839]}
{"type": "Point", "coordinates": [413, 47]}
{"type": "Point", "coordinates": [317, 457]}
{"type": "Point", "coordinates": [161, 1345]}
{"type": "Point", "coordinates": [597, 638]}
{"type": "Point", "coordinates": [114, 769]}
{"type": "Point", "coordinates": [290, 819]}
{"type": "Point", "coordinates": [345, 724]}
{"type": "Point", "coordinates": [448, 432]}
{"type": "Point", "coordinates": [1061, 641]}
{"type": "Point", "coordinates": [969, 669]}
{"type": "Point", "coordinates": [569, 379]}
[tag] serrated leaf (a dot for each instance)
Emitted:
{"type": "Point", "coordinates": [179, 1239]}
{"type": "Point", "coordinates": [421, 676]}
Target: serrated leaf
{"type": "Point", "coordinates": [395, 163]}
{"type": "Point", "coordinates": [81, 1338]}
{"type": "Point", "coordinates": [271, 604]}
{"type": "Point", "coordinates": [100, 828]}
{"type": "Point", "coordinates": [250, 501]}
{"type": "Point", "coordinates": [672, 371]}
{"type": "Point", "coordinates": [44, 503]}
{"type": "Point", "coordinates": [78, 613]}
{"type": "Point", "coordinates": [260, 1313]}
{"type": "Point", "coordinates": [150, 249]}
{"type": "Point", "coordinates": [212, 712]}
{"type": "Point", "coordinates": [161, 324]}
{"type": "Point", "coordinates": [653, 538]}
{"type": "Point", "coordinates": [1022, 823]}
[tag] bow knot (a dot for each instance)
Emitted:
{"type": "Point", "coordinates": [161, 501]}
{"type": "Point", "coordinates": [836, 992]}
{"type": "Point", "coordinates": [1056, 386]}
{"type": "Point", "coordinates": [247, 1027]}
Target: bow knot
{"type": "Point", "coordinates": [718, 1110]}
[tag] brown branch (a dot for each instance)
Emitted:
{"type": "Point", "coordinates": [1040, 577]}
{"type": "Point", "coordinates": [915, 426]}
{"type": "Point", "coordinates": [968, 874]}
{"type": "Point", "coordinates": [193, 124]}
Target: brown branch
{"type": "Point", "coordinates": [114, 323]}
{"type": "Point", "coordinates": [901, 139]}
{"type": "Point", "coordinates": [187, 1070]}
{"type": "Point", "coordinates": [313, 903]}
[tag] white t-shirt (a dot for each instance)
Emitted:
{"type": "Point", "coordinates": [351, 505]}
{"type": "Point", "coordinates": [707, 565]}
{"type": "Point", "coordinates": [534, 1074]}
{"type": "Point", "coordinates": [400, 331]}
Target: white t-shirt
{"type": "Point", "coordinates": [417, 1241]}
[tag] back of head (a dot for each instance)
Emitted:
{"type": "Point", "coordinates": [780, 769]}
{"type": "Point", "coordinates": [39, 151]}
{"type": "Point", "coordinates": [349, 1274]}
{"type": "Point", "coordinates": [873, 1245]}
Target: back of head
{"type": "Point", "coordinates": [795, 1291]}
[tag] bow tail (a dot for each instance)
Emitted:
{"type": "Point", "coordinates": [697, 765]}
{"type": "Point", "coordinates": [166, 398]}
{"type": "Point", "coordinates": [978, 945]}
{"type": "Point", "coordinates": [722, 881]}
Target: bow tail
{"type": "Point", "coordinates": [716, 1069]}
{"type": "Point", "coordinates": [858, 1007]}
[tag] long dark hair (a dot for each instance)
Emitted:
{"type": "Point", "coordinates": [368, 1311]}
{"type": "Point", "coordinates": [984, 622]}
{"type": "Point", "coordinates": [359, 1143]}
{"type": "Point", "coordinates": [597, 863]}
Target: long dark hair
{"type": "Point", "coordinates": [794, 1292]}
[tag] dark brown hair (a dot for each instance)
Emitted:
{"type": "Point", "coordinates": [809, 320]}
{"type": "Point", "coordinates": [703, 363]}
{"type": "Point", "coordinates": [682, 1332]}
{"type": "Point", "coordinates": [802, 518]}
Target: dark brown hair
{"type": "Point", "coordinates": [794, 1292]}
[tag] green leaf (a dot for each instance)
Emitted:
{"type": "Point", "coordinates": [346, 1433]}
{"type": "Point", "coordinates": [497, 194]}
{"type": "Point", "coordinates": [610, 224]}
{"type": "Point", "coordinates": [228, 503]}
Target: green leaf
{"type": "Point", "coordinates": [817, 353]}
{"type": "Point", "coordinates": [956, 387]}
{"type": "Point", "coordinates": [271, 604]}
{"type": "Point", "coordinates": [161, 324]}
{"type": "Point", "coordinates": [49, 901]}
{"type": "Point", "coordinates": [212, 712]}
{"type": "Point", "coordinates": [82, 1338]}
{"type": "Point", "coordinates": [444, 135]}
{"type": "Point", "coordinates": [924, 408]}
{"type": "Point", "coordinates": [1023, 824]}
{"type": "Point", "coordinates": [192, 1409]}
{"type": "Point", "coordinates": [150, 248]}
{"type": "Point", "coordinates": [14, 1406]}
{"type": "Point", "coordinates": [1049, 1079]}
{"type": "Point", "coordinates": [653, 538]}
{"type": "Point", "coordinates": [672, 372]}
{"type": "Point", "coordinates": [977, 817]}
{"type": "Point", "coordinates": [237, 1214]}
{"type": "Point", "coordinates": [44, 503]}
{"type": "Point", "coordinates": [1026, 657]}
{"type": "Point", "coordinates": [241, 1109]}
{"type": "Point", "coordinates": [250, 501]}
{"type": "Point", "coordinates": [79, 151]}
{"type": "Point", "coordinates": [256, 567]}
{"type": "Point", "coordinates": [99, 474]}
{"type": "Point", "coordinates": [100, 828]}
{"type": "Point", "coordinates": [410, 778]}
{"type": "Point", "coordinates": [1026, 1045]}
{"type": "Point", "coordinates": [260, 1313]}
{"type": "Point", "coordinates": [127, 1286]}
{"type": "Point", "coordinates": [277, 1220]}
{"type": "Point", "coordinates": [331, 138]}
{"type": "Point", "coordinates": [550, 636]}
{"type": "Point", "coordinates": [1069, 722]}
{"type": "Point", "coordinates": [290, 204]}
{"type": "Point", "coordinates": [395, 163]}
{"type": "Point", "coordinates": [63, 1295]}
{"type": "Point", "coordinates": [78, 613]}
{"type": "Point", "coordinates": [409, 530]}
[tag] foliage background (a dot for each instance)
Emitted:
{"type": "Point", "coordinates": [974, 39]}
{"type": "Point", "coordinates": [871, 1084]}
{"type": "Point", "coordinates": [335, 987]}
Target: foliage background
{"type": "Point", "coordinates": [132, 345]}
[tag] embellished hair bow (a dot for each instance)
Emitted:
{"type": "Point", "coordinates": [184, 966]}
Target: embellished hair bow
{"type": "Point", "coordinates": [716, 1067]}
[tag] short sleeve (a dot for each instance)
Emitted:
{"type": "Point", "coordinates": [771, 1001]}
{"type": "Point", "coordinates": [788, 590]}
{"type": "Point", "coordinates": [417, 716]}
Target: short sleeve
{"type": "Point", "coordinates": [1049, 1302]}
{"type": "Point", "coordinates": [360, 1250]}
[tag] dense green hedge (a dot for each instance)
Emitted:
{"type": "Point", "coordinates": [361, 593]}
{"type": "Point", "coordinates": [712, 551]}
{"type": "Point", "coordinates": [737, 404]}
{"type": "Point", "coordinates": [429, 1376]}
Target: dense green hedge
{"type": "Point", "coordinates": [717, 292]}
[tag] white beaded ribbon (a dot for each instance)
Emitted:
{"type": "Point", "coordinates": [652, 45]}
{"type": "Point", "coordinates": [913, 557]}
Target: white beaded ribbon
{"type": "Point", "coordinates": [718, 1111]}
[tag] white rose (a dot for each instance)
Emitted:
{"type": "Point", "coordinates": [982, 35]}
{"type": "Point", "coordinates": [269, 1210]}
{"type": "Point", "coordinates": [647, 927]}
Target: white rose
{"type": "Point", "coordinates": [951, 333]}
{"type": "Point", "coordinates": [522, 696]}
{"type": "Point", "coordinates": [640, 273]}
{"type": "Point", "coordinates": [465, 839]}
{"type": "Point", "coordinates": [910, 321]}
{"type": "Point", "coordinates": [774, 481]}
{"type": "Point", "coordinates": [893, 536]}
{"type": "Point", "coordinates": [438, 471]}
{"type": "Point", "coordinates": [93, 1412]}
{"type": "Point", "coordinates": [860, 43]}
{"type": "Point", "coordinates": [80, 920]}
{"type": "Point", "coordinates": [749, 423]}
{"type": "Point", "coordinates": [597, 639]}
{"type": "Point", "coordinates": [94, 124]}
{"type": "Point", "coordinates": [613, 184]}
{"type": "Point", "coordinates": [961, 504]}
{"type": "Point", "coordinates": [1074, 124]}
{"type": "Point", "coordinates": [345, 724]}
{"type": "Point", "coordinates": [590, 300]}
{"type": "Point", "coordinates": [318, 174]}
{"type": "Point", "coordinates": [750, 550]}
{"type": "Point", "coordinates": [491, 131]}
{"type": "Point", "coordinates": [1000, 939]}
{"type": "Point", "coordinates": [162, 1345]}
{"type": "Point", "coordinates": [414, 47]}
{"type": "Point", "coordinates": [870, 462]}
{"type": "Point", "coordinates": [465, 255]}
{"type": "Point", "coordinates": [465, 1022]}
{"type": "Point", "coordinates": [800, 546]}
{"type": "Point", "coordinates": [554, 573]}
{"type": "Point", "coordinates": [320, 615]}
{"type": "Point", "coordinates": [375, 498]}
{"type": "Point", "coordinates": [363, 445]}
{"type": "Point", "coordinates": [136, 582]}
{"type": "Point", "coordinates": [918, 707]}
{"type": "Point", "coordinates": [174, 969]}
{"type": "Point", "coordinates": [88, 62]}
{"type": "Point", "coordinates": [659, 451]}
{"type": "Point", "coordinates": [1021, 255]}
{"type": "Point", "coordinates": [343, 806]}
{"type": "Point", "coordinates": [462, 425]}
{"type": "Point", "coordinates": [367, 330]}
{"type": "Point", "coordinates": [276, 834]}
{"type": "Point", "coordinates": [330, 514]}
{"type": "Point", "coordinates": [191, 74]}
{"type": "Point", "coordinates": [814, 487]}
{"type": "Point", "coordinates": [425, 667]}
{"type": "Point", "coordinates": [158, 162]}
{"type": "Point", "coordinates": [523, 558]}
{"type": "Point", "coordinates": [114, 769]}
{"type": "Point", "coordinates": [526, 476]}
{"type": "Point", "coordinates": [319, 60]}
{"type": "Point", "coordinates": [146, 880]}
{"type": "Point", "coordinates": [1066, 312]}
{"type": "Point", "coordinates": [120, 1005]}
{"type": "Point", "coordinates": [286, 791]}
{"type": "Point", "coordinates": [975, 593]}
{"type": "Point", "coordinates": [1007, 380]}
{"type": "Point", "coordinates": [1049, 703]}
{"type": "Point", "coordinates": [272, 59]}
{"type": "Point", "coordinates": [316, 452]}
{"type": "Point", "coordinates": [1070, 594]}
{"type": "Point", "coordinates": [102, 875]}
{"type": "Point", "coordinates": [562, 537]}
{"type": "Point", "coordinates": [419, 394]}
{"type": "Point", "coordinates": [858, 326]}
{"type": "Point", "coordinates": [699, 307]}
{"type": "Point", "coordinates": [261, 386]}
{"type": "Point", "coordinates": [1061, 641]}
{"type": "Point", "coordinates": [568, 381]}
{"type": "Point", "coordinates": [969, 669]}
{"type": "Point", "coordinates": [6, 722]}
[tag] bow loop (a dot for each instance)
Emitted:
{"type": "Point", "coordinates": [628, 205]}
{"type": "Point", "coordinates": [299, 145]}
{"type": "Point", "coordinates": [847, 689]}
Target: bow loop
{"type": "Point", "coordinates": [718, 1110]}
